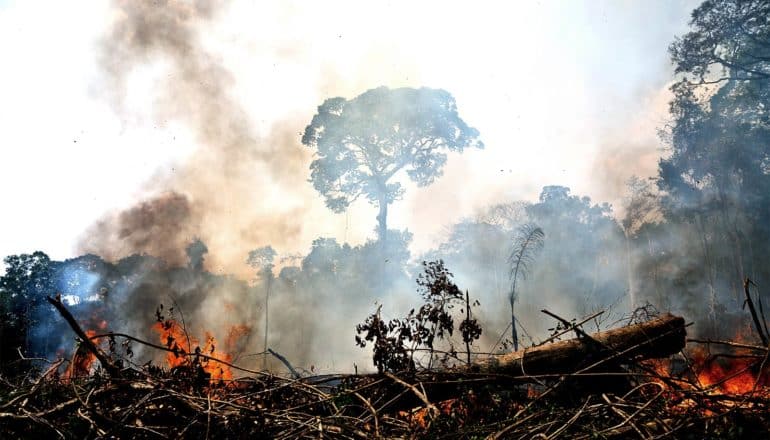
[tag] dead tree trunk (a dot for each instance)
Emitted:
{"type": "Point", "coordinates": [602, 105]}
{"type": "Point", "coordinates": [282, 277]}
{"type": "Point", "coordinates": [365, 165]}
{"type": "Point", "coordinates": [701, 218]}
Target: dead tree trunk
{"type": "Point", "coordinates": [657, 338]}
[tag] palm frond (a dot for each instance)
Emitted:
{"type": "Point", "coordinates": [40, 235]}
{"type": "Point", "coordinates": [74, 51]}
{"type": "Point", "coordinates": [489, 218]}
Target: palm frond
{"type": "Point", "coordinates": [528, 241]}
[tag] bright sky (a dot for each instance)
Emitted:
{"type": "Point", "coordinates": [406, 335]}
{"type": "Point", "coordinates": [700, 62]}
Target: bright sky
{"type": "Point", "coordinates": [567, 93]}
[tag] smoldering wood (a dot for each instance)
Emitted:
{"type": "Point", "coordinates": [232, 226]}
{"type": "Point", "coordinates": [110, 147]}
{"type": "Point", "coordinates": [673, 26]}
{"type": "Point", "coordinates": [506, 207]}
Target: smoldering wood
{"type": "Point", "coordinates": [657, 338]}
{"type": "Point", "coordinates": [161, 403]}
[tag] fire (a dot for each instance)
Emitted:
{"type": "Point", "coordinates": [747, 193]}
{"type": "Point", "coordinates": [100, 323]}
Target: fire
{"type": "Point", "coordinates": [173, 337]}
{"type": "Point", "coordinates": [730, 375]}
{"type": "Point", "coordinates": [186, 349]}
{"type": "Point", "coordinates": [217, 370]}
{"type": "Point", "coordinates": [734, 380]}
{"type": "Point", "coordinates": [734, 373]}
{"type": "Point", "coordinates": [82, 360]}
{"type": "Point", "coordinates": [422, 416]}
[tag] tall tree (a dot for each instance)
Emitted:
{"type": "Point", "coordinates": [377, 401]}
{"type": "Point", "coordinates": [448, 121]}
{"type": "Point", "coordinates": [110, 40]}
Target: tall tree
{"type": "Point", "coordinates": [362, 144]}
{"type": "Point", "coordinates": [641, 206]}
{"type": "Point", "coordinates": [27, 280]}
{"type": "Point", "coordinates": [717, 175]}
{"type": "Point", "coordinates": [261, 259]}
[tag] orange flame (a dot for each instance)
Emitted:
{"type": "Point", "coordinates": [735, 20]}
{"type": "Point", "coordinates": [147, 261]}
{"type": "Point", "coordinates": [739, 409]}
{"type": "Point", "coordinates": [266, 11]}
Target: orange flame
{"type": "Point", "coordinates": [82, 361]}
{"type": "Point", "coordinates": [729, 375]}
{"type": "Point", "coordinates": [173, 337]}
{"type": "Point", "coordinates": [736, 373]}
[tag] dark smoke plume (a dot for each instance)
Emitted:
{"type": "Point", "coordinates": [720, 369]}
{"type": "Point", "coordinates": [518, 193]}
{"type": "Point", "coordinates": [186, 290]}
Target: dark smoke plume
{"type": "Point", "coordinates": [161, 226]}
{"type": "Point", "coordinates": [219, 192]}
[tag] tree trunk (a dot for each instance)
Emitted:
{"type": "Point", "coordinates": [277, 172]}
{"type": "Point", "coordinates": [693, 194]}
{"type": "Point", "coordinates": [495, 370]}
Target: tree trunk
{"type": "Point", "coordinates": [382, 222]}
{"type": "Point", "coordinates": [659, 337]}
{"type": "Point", "coordinates": [514, 334]}
{"type": "Point", "coordinates": [267, 316]}
{"type": "Point", "coordinates": [630, 273]}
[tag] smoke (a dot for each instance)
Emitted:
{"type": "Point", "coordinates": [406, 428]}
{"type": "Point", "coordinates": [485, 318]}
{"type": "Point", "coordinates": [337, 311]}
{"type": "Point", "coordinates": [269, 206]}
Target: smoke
{"type": "Point", "coordinates": [160, 226]}
{"type": "Point", "coordinates": [241, 189]}
{"type": "Point", "coordinates": [236, 191]}
{"type": "Point", "coordinates": [631, 147]}
{"type": "Point", "coordinates": [225, 191]}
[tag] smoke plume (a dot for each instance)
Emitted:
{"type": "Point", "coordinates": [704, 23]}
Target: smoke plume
{"type": "Point", "coordinates": [221, 193]}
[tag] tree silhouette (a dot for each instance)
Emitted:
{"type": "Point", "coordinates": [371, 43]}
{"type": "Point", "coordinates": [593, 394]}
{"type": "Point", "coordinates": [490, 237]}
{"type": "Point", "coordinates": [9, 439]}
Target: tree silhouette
{"type": "Point", "coordinates": [196, 252]}
{"type": "Point", "coordinates": [729, 41]}
{"type": "Point", "coordinates": [23, 288]}
{"type": "Point", "coordinates": [363, 143]}
{"type": "Point", "coordinates": [528, 241]}
{"type": "Point", "coordinates": [261, 259]}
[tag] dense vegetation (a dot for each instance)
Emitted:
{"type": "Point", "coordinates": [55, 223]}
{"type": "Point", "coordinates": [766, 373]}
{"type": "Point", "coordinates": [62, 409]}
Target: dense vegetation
{"type": "Point", "coordinates": [686, 241]}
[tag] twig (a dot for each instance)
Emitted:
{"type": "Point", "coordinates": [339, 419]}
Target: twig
{"type": "Point", "coordinates": [728, 343]}
{"type": "Point", "coordinates": [431, 408]}
{"type": "Point", "coordinates": [569, 422]}
{"type": "Point", "coordinates": [373, 411]}
{"type": "Point", "coordinates": [640, 409]}
{"type": "Point", "coordinates": [208, 414]}
{"type": "Point", "coordinates": [285, 361]}
{"type": "Point", "coordinates": [570, 327]}
{"type": "Point", "coordinates": [753, 312]}
{"type": "Point", "coordinates": [578, 331]}
{"type": "Point", "coordinates": [35, 387]}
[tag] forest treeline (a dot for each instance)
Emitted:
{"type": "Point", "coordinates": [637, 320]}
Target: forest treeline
{"type": "Point", "coordinates": [686, 241]}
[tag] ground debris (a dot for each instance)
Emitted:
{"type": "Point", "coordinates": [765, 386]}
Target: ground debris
{"type": "Point", "coordinates": [167, 404]}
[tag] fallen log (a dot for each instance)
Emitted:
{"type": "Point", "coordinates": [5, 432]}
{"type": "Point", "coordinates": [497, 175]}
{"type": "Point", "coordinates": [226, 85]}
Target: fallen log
{"type": "Point", "coordinates": [657, 338]}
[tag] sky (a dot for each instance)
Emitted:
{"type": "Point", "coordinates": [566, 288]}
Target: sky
{"type": "Point", "coordinates": [563, 93]}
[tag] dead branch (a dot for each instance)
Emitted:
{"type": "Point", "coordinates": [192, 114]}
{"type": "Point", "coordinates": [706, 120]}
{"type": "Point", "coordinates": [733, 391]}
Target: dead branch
{"type": "Point", "coordinates": [285, 361]}
{"type": "Point", "coordinates": [753, 312]}
{"type": "Point", "coordinates": [108, 366]}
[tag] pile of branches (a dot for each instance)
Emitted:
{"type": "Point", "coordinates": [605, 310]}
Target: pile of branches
{"type": "Point", "coordinates": [620, 388]}
{"type": "Point", "coordinates": [169, 404]}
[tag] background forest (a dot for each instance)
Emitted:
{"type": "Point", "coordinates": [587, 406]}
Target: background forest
{"type": "Point", "coordinates": [683, 241]}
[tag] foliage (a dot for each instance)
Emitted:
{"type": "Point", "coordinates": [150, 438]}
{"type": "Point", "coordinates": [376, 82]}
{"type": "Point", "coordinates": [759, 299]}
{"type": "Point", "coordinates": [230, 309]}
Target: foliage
{"type": "Point", "coordinates": [261, 259]}
{"type": "Point", "coordinates": [27, 280]}
{"type": "Point", "coordinates": [363, 143]}
{"type": "Point", "coordinates": [529, 240]}
{"type": "Point", "coordinates": [729, 41]}
{"type": "Point", "coordinates": [715, 183]}
{"type": "Point", "coordinates": [389, 352]}
{"type": "Point", "coordinates": [396, 341]}
{"type": "Point", "coordinates": [439, 295]}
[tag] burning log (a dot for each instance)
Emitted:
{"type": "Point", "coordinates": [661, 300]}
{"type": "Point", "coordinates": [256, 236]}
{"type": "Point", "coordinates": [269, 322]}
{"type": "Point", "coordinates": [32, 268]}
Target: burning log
{"type": "Point", "coordinates": [656, 338]}
{"type": "Point", "coordinates": [111, 369]}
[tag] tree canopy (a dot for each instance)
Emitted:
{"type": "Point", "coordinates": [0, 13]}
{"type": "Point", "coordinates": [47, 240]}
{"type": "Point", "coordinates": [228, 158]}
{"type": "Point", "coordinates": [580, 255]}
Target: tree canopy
{"type": "Point", "coordinates": [718, 173]}
{"type": "Point", "coordinates": [361, 144]}
{"type": "Point", "coordinates": [729, 40]}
